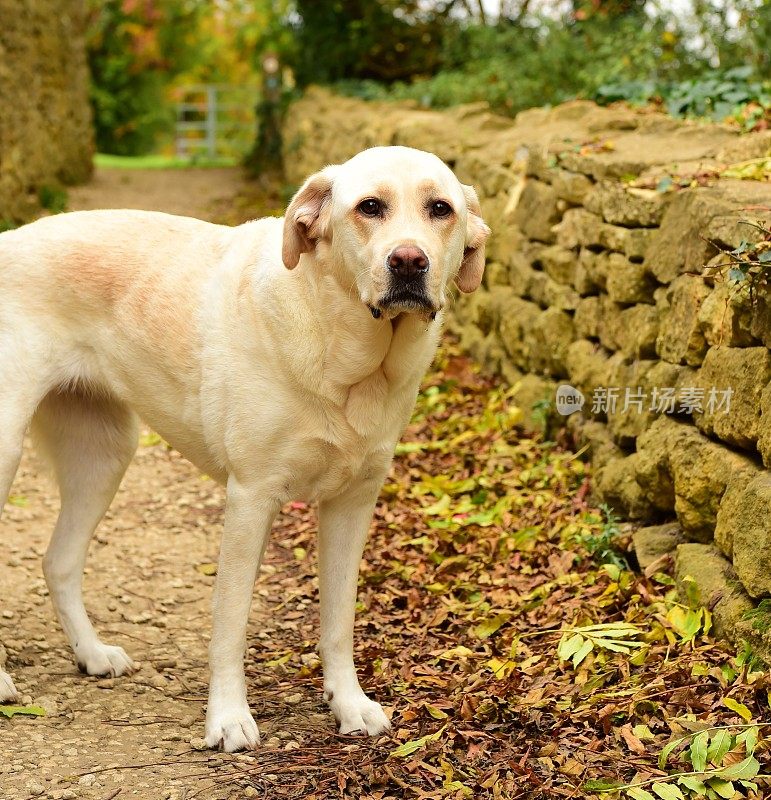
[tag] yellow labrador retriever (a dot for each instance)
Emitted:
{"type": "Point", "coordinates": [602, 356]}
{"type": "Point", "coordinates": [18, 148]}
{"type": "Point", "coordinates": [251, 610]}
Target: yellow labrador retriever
{"type": "Point", "coordinates": [282, 357]}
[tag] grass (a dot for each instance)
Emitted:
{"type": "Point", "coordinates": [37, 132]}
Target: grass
{"type": "Point", "coordinates": [157, 161]}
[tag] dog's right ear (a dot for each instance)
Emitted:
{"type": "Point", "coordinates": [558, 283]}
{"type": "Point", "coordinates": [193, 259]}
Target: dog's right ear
{"type": "Point", "coordinates": [307, 217]}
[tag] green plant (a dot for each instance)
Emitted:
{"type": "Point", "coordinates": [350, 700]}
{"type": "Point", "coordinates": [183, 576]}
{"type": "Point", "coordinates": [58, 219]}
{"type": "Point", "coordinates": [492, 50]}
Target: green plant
{"type": "Point", "coordinates": [760, 616]}
{"type": "Point", "coordinates": [53, 199]}
{"type": "Point", "coordinates": [722, 765]}
{"type": "Point", "coordinates": [602, 546]}
{"type": "Point", "coordinates": [748, 265]}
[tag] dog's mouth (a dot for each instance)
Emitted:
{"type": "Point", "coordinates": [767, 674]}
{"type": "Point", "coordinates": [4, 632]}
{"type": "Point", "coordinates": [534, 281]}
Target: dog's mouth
{"type": "Point", "coordinates": [404, 299]}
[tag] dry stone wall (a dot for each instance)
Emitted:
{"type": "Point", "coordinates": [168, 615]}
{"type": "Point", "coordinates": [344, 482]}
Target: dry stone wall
{"type": "Point", "coordinates": [597, 280]}
{"type": "Point", "coordinates": [45, 121]}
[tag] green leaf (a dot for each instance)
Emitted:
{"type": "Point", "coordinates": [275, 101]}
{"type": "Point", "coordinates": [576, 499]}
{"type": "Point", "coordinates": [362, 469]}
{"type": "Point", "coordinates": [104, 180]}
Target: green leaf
{"type": "Point", "coordinates": [441, 506]}
{"type": "Point", "coordinates": [28, 711]}
{"type": "Point", "coordinates": [722, 788]}
{"type": "Point", "coordinates": [491, 624]}
{"type": "Point", "coordinates": [601, 785]}
{"type": "Point", "coordinates": [582, 653]}
{"type": "Point", "coordinates": [698, 751]}
{"type": "Point", "coordinates": [693, 784]}
{"type": "Point", "coordinates": [408, 748]}
{"type": "Point", "coordinates": [435, 712]}
{"type": "Point", "coordinates": [568, 646]}
{"type": "Point", "coordinates": [636, 793]}
{"type": "Point", "coordinates": [750, 738]}
{"type": "Point", "coordinates": [743, 771]}
{"type": "Point", "coordinates": [611, 629]}
{"type": "Point", "coordinates": [739, 708]}
{"type": "Point", "coordinates": [667, 791]}
{"type": "Point", "coordinates": [664, 755]}
{"type": "Point", "coordinates": [719, 746]}
{"type": "Point", "coordinates": [643, 733]}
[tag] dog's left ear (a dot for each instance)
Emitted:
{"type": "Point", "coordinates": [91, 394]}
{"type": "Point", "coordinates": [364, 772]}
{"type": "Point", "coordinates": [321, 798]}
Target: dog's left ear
{"type": "Point", "coordinates": [473, 265]}
{"type": "Point", "coordinates": [307, 217]}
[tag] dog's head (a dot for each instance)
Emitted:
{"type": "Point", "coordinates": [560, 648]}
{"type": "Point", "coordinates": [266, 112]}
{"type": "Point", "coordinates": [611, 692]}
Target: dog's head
{"type": "Point", "coordinates": [395, 224]}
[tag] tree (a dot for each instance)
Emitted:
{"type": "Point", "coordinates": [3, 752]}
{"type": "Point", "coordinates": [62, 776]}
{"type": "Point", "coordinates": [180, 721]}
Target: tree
{"type": "Point", "coordinates": [381, 40]}
{"type": "Point", "coordinates": [135, 48]}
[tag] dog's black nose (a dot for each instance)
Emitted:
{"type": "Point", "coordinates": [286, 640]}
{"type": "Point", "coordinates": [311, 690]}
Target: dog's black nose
{"type": "Point", "coordinates": [408, 262]}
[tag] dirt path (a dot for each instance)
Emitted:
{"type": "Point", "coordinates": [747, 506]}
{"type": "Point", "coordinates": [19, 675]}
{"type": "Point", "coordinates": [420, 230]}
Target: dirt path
{"type": "Point", "coordinates": [144, 590]}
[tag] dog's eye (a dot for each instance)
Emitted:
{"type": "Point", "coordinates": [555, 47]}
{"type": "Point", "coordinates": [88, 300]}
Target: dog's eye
{"type": "Point", "coordinates": [370, 207]}
{"type": "Point", "coordinates": [440, 209]}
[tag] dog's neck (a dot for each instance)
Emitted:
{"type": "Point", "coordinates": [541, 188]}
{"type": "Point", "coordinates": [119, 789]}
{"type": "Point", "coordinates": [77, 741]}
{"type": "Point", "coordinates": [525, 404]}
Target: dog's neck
{"type": "Point", "coordinates": [366, 360]}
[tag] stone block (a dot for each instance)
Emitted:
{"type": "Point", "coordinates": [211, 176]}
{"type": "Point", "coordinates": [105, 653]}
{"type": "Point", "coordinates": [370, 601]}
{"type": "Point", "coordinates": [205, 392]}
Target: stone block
{"type": "Point", "coordinates": [587, 317]}
{"type": "Point", "coordinates": [679, 246]}
{"type": "Point", "coordinates": [752, 535]}
{"type": "Point", "coordinates": [558, 295]}
{"type": "Point", "coordinates": [713, 584]}
{"type": "Point", "coordinates": [655, 541]}
{"type": "Point", "coordinates": [538, 211]}
{"type": "Point", "coordinates": [553, 332]}
{"type": "Point", "coordinates": [701, 470]}
{"type": "Point", "coordinates": [628, 412]}
{"type": "Point", "coordinates": [516, 325]}
{"type": "Point", "coordinates": [637, 241]}
{"type": "Point", "coordinates": [629, 207]}
{"type": "Point", "coordinates": [725, 317]}
{"type": "Point", "coordinates": [676, 458]}
{"type": "Point", "coordinates": [496, 274]}
{"type": "Point", "coordinates": [587, 367]}
{"type": "Point", "coordinates": [520, 274]}
{"type": "Point", "coordinates": [637, 331]}
{"type": "Point", "coordinates": [578, 227]}
{"type": "Point", "coordinates": [571, 186]}
{"type": "Point", "coordinates": [610, 324]}
{"type": "Point", "coordinates": [592, 269]}
{"type": "Point", "coordinates": [559, 263]}
{"type": "Point", "coordinates": [681, 337]}
{"type": "Point", "coordinates": [595, 435]}
{"type": "Point", "coordinates": [628, 282]}
{"type": "Point", "coordinates": [743, 372]}
{"type": "Point", "coordinates": [764, 428]}
{"type": "Point", "coordinates": [535, 396]}
{"type": "Point", "coordinates": [616, 484]}
{"type": "Point", "coordinates": [760, 326]}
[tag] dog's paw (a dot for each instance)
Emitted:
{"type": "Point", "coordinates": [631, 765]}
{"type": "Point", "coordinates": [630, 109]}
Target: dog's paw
{"type": "Point", "coordinates": [358, 714]}
{"type": "Point", "coordinates": [8, 693]}
{"type": "Point", "coordinates": [105, 660]}
{"type": "Point", "coordinates": [231, 730]}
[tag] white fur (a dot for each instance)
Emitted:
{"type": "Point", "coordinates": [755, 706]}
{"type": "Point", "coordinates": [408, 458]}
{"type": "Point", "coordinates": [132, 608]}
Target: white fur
{"type": "Point", "coordinates": [278, 382]}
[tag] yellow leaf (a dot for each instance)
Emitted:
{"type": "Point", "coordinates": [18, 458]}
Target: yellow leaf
{"type": "Point", "coordinates": [489, 626]}
{"type": "Point", "coordinates": [408, 748]}
{"type": "Point", "coordinates": [207, 569]}
{"type": "Point", "coordinates": [442, 506]}
{"type": "Point", "coordinates": [435, 712]}
{"type": "Point", "coordinates": [501, 667]}
{"type": "Point", "coordinates": [456, 652]}
{"type": "Point", "coordinates": [738, 707]}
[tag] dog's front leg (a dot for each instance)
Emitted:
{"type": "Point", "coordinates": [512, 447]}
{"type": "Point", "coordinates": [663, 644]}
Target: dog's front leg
{"type": "Point", "coordinates": [249, 515]}
{"type": "Point", "coordinates": [343, 527]}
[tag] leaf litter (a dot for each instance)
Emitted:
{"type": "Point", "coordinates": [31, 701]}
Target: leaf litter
{"type": "Point", "coordinates": [518, 659]}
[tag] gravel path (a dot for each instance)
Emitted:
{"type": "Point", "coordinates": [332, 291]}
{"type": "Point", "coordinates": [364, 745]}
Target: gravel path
{"type": "Point", "coordinates": [147, 590]}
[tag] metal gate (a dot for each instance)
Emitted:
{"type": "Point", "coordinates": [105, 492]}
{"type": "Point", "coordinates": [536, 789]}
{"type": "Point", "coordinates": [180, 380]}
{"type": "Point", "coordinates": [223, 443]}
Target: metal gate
{"type": "Point", "coordinates": [215, 121]}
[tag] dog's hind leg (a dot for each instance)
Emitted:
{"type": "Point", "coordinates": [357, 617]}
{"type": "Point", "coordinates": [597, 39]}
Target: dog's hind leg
{"type": "Point", "coordinates": [19, 394]}
{"type": "Point", "coordinates": [13, 422]}
{"type": "Point", "coordinates": [90, 441]}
